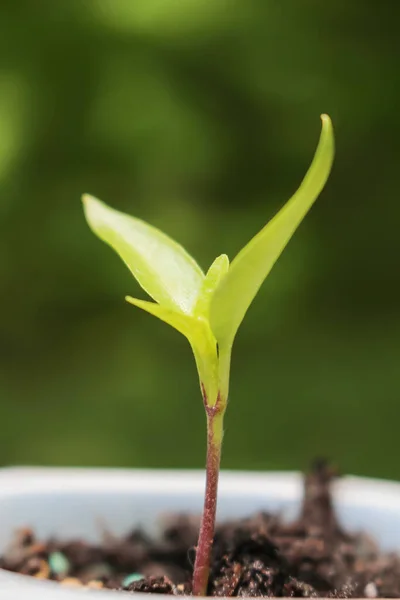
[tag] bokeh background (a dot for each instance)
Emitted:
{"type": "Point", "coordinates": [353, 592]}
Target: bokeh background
{"type": "Point", "coordinates": [200, 116]}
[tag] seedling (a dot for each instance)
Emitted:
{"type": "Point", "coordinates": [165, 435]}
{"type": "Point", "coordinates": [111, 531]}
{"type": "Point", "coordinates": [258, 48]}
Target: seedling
{"type": "Point", "coordinates": [207, 308]}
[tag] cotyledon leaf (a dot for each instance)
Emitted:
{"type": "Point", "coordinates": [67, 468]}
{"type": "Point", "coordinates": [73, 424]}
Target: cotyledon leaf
{"type": "Point", "coordinates": [162, 267]}
{"type": "Point", "coordinates": [195, 329]}
{"type": "Point", "coordinates": [185, 324]}
{"type": "Point", "coordinates": [251, 266]}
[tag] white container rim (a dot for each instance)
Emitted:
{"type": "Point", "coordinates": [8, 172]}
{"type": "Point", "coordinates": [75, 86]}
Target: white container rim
{"type": "Point", "coordinates": [381, 494]}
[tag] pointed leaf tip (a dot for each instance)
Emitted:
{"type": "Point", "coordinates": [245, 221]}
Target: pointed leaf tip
{"type": "Point", "coordinates": [87, 199]}
{"type": "Point", "coordinates": [251, 266]}
{"type": "Point", "coordinates": [161, 266]}
{"type": "Point", "coordinates": [185, 324]}
{"type": "Point", "coordinates": [213, 278]}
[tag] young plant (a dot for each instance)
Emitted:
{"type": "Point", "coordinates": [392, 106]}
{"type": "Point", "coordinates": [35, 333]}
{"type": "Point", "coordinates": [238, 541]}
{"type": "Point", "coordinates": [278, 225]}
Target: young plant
{"type": "Point", "coordinates": [207, 308]}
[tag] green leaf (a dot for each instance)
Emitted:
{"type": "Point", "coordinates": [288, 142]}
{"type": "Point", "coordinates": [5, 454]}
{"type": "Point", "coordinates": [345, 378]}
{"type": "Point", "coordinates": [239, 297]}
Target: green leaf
{"type": "Point", "coordinates": [183, 323]}
{"type": "Point", "coordinates": [197, 331]}
{"type": "Point", "coordinates": [213, 278]}
{"type": "Point", "coordinates": [253, 263]}
{"type": "Point", "coordinates": [161, 266]}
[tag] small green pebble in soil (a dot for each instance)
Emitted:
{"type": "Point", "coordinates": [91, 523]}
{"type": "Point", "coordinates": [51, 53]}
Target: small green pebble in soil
{"type": "Point", "coordinates": [131, 579]}
{"type": "Point", "coordinates": [59, 563]}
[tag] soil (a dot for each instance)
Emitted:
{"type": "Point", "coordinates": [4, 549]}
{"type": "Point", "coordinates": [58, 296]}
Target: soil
{"type": "Point", "coordinates": [258, 556]}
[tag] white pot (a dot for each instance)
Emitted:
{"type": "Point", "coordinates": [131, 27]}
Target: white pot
{"type": "Point", "coordinates": [71, 503]}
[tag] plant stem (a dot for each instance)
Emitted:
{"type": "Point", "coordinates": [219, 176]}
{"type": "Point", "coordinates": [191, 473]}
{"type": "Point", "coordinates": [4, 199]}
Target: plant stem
{"type": "Point", "coordinates": [206, 535]}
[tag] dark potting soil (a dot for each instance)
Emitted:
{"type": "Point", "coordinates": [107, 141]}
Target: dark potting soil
{"type": "Point", "coordinates": [258, 556]}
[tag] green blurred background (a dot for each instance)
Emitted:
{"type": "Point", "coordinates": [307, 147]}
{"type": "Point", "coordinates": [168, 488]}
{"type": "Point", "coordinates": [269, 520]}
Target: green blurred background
{"type": "Point", "coordinates": [200, 116]}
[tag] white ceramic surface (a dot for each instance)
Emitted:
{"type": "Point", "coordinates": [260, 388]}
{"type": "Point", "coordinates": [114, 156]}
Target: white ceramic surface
{"type": "Point", "coordinates": [72, 503]}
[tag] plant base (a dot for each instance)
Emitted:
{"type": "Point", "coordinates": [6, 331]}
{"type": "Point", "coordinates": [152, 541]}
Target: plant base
{"type": "Point", "coordinates": [311, 556]}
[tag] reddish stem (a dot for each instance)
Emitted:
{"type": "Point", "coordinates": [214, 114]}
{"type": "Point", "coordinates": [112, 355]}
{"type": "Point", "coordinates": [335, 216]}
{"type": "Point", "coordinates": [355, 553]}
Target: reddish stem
{"type": "Point", "coordinates": [206, 535]}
